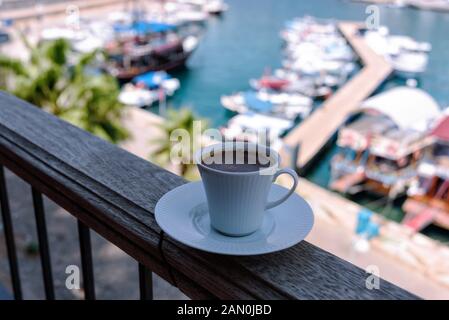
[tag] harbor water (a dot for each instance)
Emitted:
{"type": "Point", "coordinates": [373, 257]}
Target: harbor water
{"type": "Point", "coordinates": [239, 46]}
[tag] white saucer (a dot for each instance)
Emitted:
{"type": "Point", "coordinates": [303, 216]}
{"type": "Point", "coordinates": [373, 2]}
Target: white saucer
{"type": "Point", "coordinates": [182, 214]}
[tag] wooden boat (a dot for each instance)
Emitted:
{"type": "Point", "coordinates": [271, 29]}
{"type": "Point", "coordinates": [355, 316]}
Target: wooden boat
{"type": "Point", "coordinates": [134, 59]}
{"type": "Point", "coordinates": [145, 46]}
{"type": "Point", "coordinates": [354, 140]}
{"type": "Point", "coordinates": [381, 146]}
{"type": "Point", "coordinates": [148, 88]}
{"type": "Point", "coordinates": [428, 196]}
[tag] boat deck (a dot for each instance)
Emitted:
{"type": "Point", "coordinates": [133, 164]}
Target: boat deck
{"type": "Point", "coordinates": [347, 181]}
{"type": "Point", "coordinates": [420, 213]}
{"type": "Point", "coordinates": [314, 133]}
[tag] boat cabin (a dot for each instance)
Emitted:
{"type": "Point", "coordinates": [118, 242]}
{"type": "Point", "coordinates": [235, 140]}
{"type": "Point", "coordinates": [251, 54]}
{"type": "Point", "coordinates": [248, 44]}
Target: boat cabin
{"type": "Point", "coordinates": [428, 195]}
{"type": "Point", "coordinates": [381, 145]}
{"type": "Point", "coordinates": [143, 46]}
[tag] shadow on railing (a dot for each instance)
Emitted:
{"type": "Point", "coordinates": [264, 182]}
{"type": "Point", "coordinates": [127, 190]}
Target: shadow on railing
{"type": "Point", "coordinates": [114, 193]}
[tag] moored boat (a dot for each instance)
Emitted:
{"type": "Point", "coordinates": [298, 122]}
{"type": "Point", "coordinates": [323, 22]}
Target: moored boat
{"type": "Point", "coordinates": [282, 105]}
{"type": "Point", "coordinates": [132, 57]}
{"type": "Point", "coordinates": [380, 148]}
{"type": "Point", "coordinates": [408, 57]}
{"type": "Point", "coordinates": [186, 12]}
{"type": "Point", "coordinates": [428, 195]}
{"type": "Point", "coordinates": [256, 128]}
{"type": "Point", "coordinates": [409, 64]}
{"type": "Point", "coordinates": [315, 51]}
{"type": "Point", "coordinates": [148, 88]}
{"type": "Point", "coordinates": [269, 82]}
{"type": "Point", "coordinates": [133, 46]}
{"type": "Point", "coordinates": [215, 7]}
{"type": "Point", "coordinates": [290, 82]}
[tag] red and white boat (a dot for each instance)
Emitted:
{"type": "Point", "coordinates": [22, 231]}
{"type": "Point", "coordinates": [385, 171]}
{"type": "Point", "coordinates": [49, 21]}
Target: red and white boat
{"type": "Point", "coordinates": [269, 81]}
{"type": "Point", "coordinates": [428, 195]}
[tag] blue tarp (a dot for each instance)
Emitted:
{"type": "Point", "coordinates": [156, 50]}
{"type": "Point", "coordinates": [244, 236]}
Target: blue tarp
{"type": "Point", "coordinates": [254, 103]}
{"type": "Point", "coordinates": [152, 79]}
{"type": "Point", "coordinates": [143, 27]}
{"type": "Point", "coordinates": [6, 22]}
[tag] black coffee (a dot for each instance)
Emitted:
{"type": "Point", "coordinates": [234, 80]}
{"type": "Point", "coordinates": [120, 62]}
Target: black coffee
{"type": "Point", "coordinates": [236, 161]}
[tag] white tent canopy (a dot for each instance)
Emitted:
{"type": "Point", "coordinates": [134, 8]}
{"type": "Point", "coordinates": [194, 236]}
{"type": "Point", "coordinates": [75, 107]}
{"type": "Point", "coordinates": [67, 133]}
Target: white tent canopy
{"type": "Point", "coordinates": [409, 108]}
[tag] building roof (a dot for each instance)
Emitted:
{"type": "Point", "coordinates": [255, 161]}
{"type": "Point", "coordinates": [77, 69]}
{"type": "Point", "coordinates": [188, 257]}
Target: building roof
{"type": "Point", "coordinates": [143, 27]}
{"type": "Point", "coordinates": [409, 108]}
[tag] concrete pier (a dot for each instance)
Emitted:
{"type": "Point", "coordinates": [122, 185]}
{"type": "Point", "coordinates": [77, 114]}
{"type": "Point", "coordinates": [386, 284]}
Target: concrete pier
{"type": "Point", "coordinates": [314, 132]}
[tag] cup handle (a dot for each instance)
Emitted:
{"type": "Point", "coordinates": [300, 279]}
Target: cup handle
{"type": "Point", "coordinates": [291, 173]}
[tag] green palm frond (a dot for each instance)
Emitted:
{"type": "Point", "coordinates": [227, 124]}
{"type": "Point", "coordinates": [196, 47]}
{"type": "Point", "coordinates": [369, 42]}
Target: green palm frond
{"type": "Point", "coordinates": [49, 81]}
{"type": "Point", "coordinates": [183, 118]}
{"type": "Point", "coordinates": [25, 41]}
{"type": "Point", "coordinates": [13, 66]}
{"type": "Point", "coordinates": [83, 61]}
{"type": "Point", "coordinates": [55, 51]}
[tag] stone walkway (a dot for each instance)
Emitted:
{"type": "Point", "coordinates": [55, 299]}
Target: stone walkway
{"type": "Point", "coordinates": [415, 263]}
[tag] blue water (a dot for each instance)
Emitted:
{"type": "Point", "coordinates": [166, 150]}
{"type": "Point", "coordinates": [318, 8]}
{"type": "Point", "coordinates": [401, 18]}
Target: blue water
{"type": "Point", "coordinates": [239, 45]}
{"type": "Point", "coordinates": [242, 43]}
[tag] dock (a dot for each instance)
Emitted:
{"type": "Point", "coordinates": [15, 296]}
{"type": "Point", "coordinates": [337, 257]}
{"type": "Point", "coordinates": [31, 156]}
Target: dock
{"type": "Point", "coordinates": [400, 254]}
{"type": "Point", "coordinates": [316, 131]}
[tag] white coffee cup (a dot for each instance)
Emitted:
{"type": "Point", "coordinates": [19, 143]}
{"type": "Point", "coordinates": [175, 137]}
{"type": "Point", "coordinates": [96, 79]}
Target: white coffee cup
{"type": "Point", "coordinates": [237, 201]}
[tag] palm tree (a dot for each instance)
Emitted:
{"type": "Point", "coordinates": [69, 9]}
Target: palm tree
{"type": "Point", "coordinates": [183, 119]}
{"type": "Point", "coordinates": [60, 83]}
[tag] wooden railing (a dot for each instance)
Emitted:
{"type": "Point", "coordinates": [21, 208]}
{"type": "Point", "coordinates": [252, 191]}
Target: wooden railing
{"type": "Point", "coordinates": [114, 193]}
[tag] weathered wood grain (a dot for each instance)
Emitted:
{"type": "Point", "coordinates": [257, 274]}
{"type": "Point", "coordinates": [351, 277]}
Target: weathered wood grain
{"type": "Point", "coordinates": [115, 192]}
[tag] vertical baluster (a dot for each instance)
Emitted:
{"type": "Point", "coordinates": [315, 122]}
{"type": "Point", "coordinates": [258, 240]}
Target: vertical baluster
{"type": "Point", "coordinates": [86, 261]}
{"type": "Point", "coordinates": [145, 283]}
{"type": "Point", "coordinates": [43, 244]}
{"type": "Point", "coordinates": [9, 237]}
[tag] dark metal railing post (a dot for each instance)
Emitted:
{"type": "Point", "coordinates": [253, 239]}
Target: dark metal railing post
{"type": "Point", "coordinates": [145, 283]}
{"type": "Point", "coordinates": [9, 237]}
{"type": "Point", "coordinates": [43, 244]}
{"type": "Point", "coordinates": [86, 261]}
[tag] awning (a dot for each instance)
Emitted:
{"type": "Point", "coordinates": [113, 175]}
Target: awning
{"type": "Point", "coordinates": [409, 108]}
{"type": "Point", "coordinates": [152, 79]}
{"type": "Point", "coordinates": [254, 103]}
{"type": "Point", "coordinates": [144, 27]}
